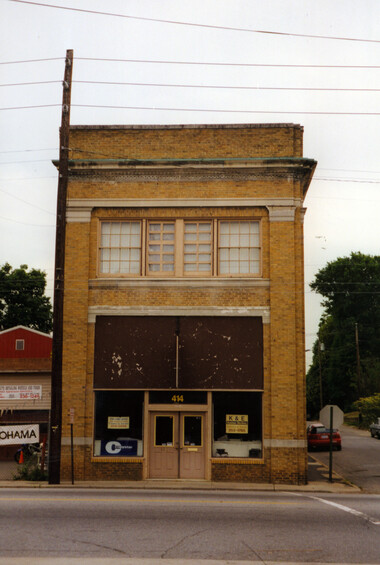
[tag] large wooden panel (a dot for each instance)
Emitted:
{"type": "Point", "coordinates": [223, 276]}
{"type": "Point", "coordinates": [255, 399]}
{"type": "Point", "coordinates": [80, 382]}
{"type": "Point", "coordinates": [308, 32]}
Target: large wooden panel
{"type": "Point", "coordinates": [214, 352]}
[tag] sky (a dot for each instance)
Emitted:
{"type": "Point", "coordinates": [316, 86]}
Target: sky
{"type": "Point", "coordinates": [195, 62]}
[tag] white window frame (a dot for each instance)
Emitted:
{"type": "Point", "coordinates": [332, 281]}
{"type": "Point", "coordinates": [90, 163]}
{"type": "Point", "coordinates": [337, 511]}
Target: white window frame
{"type": "Point", "coordinates": [179, 243]}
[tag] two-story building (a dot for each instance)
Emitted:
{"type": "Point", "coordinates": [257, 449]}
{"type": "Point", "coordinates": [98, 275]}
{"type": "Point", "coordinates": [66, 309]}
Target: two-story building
{"type": "Point", "coordinates": [183, 336]}
{"type": "Point", "coordinates": [25, 382]}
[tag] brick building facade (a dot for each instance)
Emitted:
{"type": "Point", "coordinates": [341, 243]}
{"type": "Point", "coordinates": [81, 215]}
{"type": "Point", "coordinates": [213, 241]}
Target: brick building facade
{"type": "Point", "coordinates": [183, 338]}
{"type": "Point", "coordinates": [25, 381]}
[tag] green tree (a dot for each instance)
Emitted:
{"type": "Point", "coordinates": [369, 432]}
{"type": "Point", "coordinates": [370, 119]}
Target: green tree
{"type": "Point", "coordinates": [351, 290]}
{"type": "Point", "coordinates": [22, 299]}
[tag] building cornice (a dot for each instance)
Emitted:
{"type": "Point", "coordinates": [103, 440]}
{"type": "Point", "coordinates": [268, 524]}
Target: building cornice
{"type": "Point", "coordinates": [79, 209]}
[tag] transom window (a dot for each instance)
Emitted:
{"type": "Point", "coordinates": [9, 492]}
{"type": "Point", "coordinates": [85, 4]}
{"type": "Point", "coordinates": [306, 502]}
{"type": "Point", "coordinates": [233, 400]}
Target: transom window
{"type": "Point", "coordinates": [180, 248]}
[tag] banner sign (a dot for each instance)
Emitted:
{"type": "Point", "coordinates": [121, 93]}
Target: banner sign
{"type": "Point", "coordinates": [20, 392]}
{"type": "Point", "coordinates": [236, 423]}
{"type": "Point", "coordinates": [118, 422]}
{"type": "Point", "coordinates": [26, 433]}
{"type": "Point", "coordinates": [119, 448]}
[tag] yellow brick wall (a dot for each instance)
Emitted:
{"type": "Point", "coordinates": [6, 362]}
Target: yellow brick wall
{"type": "Point", "coordinates": [282, 263]}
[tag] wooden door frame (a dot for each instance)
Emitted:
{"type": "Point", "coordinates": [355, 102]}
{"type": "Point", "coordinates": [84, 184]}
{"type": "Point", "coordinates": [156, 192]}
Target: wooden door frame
{"type": "Point", "coordinates": [205, 409]}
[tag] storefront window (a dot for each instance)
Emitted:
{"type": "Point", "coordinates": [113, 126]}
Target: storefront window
{"type": "Point", "coordinates": [237, 424]}
{"type": "Point", "coordinates": [118, 424]}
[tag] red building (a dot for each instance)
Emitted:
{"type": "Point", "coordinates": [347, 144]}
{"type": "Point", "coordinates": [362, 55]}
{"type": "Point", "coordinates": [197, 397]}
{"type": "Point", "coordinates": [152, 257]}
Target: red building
{"type": "Point", "coordinates": [25, 380]}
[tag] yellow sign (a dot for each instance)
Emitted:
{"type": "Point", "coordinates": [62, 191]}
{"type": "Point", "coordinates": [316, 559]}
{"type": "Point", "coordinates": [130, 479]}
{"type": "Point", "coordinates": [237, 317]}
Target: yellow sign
{"type": "Point", "coordinates": [236, 423]}
{"type": "Point", "coordinates": [118, 422]}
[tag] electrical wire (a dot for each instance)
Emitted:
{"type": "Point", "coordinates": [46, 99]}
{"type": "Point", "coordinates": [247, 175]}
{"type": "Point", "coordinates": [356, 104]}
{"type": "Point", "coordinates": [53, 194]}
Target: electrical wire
{"type": "Point", "coordinates": [224, 64]}
{"type": "Point", "coordinates": [206, 86]}
{"type": "Point", "coordinates": [197, 25]}
{"type": "Point", "coordinates": [210, 110]}
{"type": "Point", "coordinates": [201, 63]}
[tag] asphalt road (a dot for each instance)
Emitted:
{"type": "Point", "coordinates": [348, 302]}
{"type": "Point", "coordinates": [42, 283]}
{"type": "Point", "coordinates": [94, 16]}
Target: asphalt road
{"type": "Point", "coordinates": [359, 460]}
{"type": "Point", "coordinates": [39, 524]}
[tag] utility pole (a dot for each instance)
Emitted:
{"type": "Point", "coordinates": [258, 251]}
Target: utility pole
{"type": "Point", "coordinates": [56, 376]}
{"type": "Point", "coordinates": [358, 358]}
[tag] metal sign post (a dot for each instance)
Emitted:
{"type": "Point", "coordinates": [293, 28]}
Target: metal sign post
{"type": "Point", "coordinates": [328, 415]}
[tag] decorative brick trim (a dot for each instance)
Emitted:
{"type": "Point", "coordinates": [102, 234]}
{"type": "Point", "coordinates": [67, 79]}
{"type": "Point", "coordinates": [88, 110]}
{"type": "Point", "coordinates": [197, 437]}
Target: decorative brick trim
{"type": "Point", "coordinates": [105, 310]}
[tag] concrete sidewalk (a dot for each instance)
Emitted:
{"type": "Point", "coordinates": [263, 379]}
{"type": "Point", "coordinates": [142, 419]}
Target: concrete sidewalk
{"type": "Point", "coordinates": [318, 475]}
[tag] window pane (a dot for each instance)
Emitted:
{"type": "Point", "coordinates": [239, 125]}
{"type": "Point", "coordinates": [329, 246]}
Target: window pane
{"type": "Point", "coordinates": [204, 257]}
{"type": "Point", "coordinates": [118, 423]}
{"type": "Point", "coordinates": [204, 267]}
{"type": "Point", "coordinates": [190, 227]}
{"type": "Point", "coordinates": [192, 431]}
{"type": "Point", "coordinates": [190, 267]}
{"type": "Point", "coordinates": [204, 248]}
{"type": "Point", "coordinates": [117, 247]}
{"type": "Point", "coordinates": [237, 429]}
{"type": "Point", "coordinates": [125, 228]}
{"type": "Point", "coordinates": [204, 237]}
{"type": "Point", "coordinates": [164, 430]}
{"type": "Point", "coordinates": [125, 241]}
{"type": "Point", "coordinates": [168, 268]}
{"type": "Point", "coordinates": [168, 237]}
{"type": "Point", "coordinates": [205, 226]}
{"type": "Point", "coordinates": [189, 248]}
{"type": "Point", "coordinates": [189, 257]}
{"type": "Point", "coordinates": [169, 227]}
{"type": "Point", "coordinates": [104, 268]}
{"type": "Point", "coordinates": [237, 241]}
{"type": "Point", "coordinates": [190, 237]}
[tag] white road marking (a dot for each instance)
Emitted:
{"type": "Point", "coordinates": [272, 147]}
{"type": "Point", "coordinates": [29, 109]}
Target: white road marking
{"type": "Point", "coordinates": [345, 509]}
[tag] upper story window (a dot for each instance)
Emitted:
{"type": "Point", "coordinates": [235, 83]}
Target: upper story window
{"type": "Point", "coordinates": [180, 248]}
{"type": "Point", "coordinates": [161, 240]}
{"type": "Point", "coordinates": [120, 248]}
{"type": "Point", "coordinates": [239, 248]}
{"type": "Point", "coordinates": [197, 256]}
{"type": "Point", "coordinates": [20, 344]}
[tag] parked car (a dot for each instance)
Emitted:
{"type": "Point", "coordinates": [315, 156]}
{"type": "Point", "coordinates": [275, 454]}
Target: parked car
{"type": "Point", "coordinates": [375, 429]}
{"type": "Point", "coordinates": [318, 437]}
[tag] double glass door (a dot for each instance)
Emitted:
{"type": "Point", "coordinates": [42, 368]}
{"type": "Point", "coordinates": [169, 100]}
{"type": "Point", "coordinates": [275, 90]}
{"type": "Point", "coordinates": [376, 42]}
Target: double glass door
{"type": "Point", "coordinates": [177, 445]}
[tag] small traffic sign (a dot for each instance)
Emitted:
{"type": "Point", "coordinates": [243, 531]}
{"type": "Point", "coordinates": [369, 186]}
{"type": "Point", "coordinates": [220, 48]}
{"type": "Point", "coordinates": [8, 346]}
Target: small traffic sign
{"type": "Point", "coordinates": [338, 415]}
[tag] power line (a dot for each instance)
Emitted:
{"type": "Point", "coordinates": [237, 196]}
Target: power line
{"type": "Point", "coordinates": [201, 63]}
{"type": "Point", "coordinates": [32, 83]}
{"type": "Point", "coordinates": [27, 224]}
{"type": "Point", "coordinates": [228, 111]}
{"type": "Point", "coordinates": [210, 86]}
{"type": "Point", "coordinates": [26, 202]}
{"type": "Point", "coordinates": [210, 110]}
{"type": "Point", "coordinates": [32, 61]}
{"type": "Point", "coordinates": [30, 107]}
{"type": "Point", "coordinates": [226, 86]}
{"type": "Point", "coordinates": [224, 64]}
{"type": "Point", "coordinates": [191, 24]}
{"type": "Point", "coordinates": [29, 150]}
